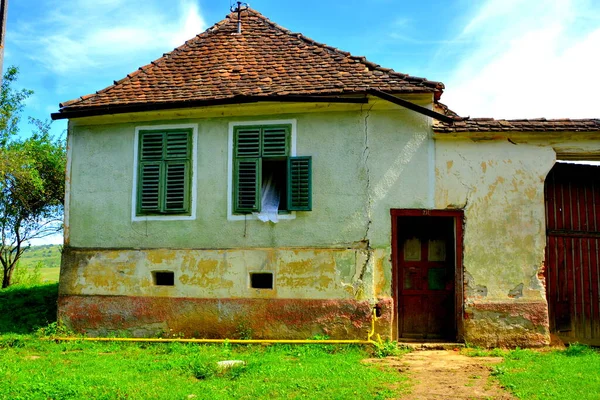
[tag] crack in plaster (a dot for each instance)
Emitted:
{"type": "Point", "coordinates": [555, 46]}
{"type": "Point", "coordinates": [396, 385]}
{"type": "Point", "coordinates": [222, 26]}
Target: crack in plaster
{"type": "Point", "coordinates": [470, 188]}
{"type": "Point", "coordinates": [366, 153]}
{"type": "Point", "coordinates": [368, 250]}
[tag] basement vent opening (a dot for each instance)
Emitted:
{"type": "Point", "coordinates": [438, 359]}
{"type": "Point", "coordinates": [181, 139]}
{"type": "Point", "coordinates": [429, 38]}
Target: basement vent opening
{"type": "Point", "coordinates": [261, 280]}
{"type": "Point", "coordinates": [164, 278]}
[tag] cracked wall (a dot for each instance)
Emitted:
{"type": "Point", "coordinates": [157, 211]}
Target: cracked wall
{"type": "Point", "coordinates": [500, 186]}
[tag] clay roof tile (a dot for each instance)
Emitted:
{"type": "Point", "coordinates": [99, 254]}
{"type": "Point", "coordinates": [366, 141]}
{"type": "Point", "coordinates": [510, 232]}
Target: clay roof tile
{"type": "Point", "coordinates": [518, 125]}
{"type": "Point", "coordinates": [209, 66]}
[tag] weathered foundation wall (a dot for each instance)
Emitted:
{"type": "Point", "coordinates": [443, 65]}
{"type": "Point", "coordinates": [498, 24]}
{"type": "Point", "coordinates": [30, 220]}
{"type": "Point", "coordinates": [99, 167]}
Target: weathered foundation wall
{"type": "Point", "coordinates": [500, 186]}
{"type": "Point", "coordinates": [222, 318]}
{"type": "Point", "coordinates": [315, 291]}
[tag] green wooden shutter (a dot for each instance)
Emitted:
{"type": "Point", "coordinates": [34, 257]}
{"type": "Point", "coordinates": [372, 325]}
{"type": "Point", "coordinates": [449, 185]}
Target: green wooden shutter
{"type": "Point", "coordinates": [275, 141]}
{"type": "Point", "coordinates": [178, 145]}
{"type": "Point", "coordinates": [164, 172]}
{"type": "Point", "coordinates": [247, 170]}
{"type": "Point", "coordinates": [299, 184]}
{"type": "Point", "coordinates": [247, 142]}
{"type": "Point", "coordinates": [149, 187]}
{"type": "Point", "coordinates": [151, 146]}
{"type": "Point", "coordinates": [150, 172]}
{"type": "Point", "coordinates": [247, 185]}
{"type": "Point", "coordinates": [176, 186]}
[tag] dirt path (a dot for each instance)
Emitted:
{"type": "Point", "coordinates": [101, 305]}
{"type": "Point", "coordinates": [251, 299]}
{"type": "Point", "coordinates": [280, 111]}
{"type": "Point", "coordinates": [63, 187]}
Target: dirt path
{"type": "Point", "coordinates": [444, 374]}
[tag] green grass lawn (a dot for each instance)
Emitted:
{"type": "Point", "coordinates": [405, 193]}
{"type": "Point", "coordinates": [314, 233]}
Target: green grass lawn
{"type": "Point", "coordinates": [32, 368]}
{"type": "Point", "coordinates": [573, 373]}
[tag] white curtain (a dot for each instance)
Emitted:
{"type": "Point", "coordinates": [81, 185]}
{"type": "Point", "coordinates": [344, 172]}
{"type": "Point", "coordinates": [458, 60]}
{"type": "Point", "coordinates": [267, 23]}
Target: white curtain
{"type": "Point", "coordinates": [270, 200]}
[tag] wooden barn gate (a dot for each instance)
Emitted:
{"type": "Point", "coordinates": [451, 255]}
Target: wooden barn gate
{"type": "Point", "coordinates": [572, 275]}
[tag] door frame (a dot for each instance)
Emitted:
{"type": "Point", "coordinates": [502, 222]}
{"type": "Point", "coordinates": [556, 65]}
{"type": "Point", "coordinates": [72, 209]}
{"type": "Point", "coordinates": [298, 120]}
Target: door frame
{"type": "Point", "coordinates": [458, 216]}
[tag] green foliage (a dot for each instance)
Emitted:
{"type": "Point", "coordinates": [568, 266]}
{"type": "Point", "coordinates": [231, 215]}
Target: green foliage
{"type": "Point", "coordinates": [562, 374]}
{"type": "Point", "coordinates": [24, 309]}
{"type": "Point", "coordinates": [46, 256]}
{"type": "Point", "coordinates": [12, 340]}
{"type": "Point", "coordinates": [578, 349]}
{"type": "Point", "coordinates": [201, 369]}
{"type": "Point", "coordinates": [27, 276]}
{"type": "Point", "coordinates": [11, 105]}
{"type": "Point", "coordinates": [243, 331]}
{"type": "Point", "coordinates": [388, 348]}
{"type": "Point", "coordinates": [31, 179]}
{"type": "Point", "coordinates": [473, 351]}
{"type": "Point", "coordinates": [54, 329]}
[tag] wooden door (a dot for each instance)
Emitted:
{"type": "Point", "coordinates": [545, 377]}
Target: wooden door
{"type": "Point", "coordinates": [426, 287]}
{"type": "Point", "coordinates": [573, 252]}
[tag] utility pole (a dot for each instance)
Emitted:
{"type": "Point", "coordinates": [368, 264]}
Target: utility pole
{"type": "Point", "coordinates": [3, 12]}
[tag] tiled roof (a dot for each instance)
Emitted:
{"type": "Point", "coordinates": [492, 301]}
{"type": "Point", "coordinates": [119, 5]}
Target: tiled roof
{"type": "Point", "coordinates": [265, 60]}
{"type": "Point", "coordinates": [518, 125]}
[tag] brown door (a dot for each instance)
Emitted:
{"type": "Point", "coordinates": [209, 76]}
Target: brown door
{"type": "Point", "coordinates": [573, 252]}
{"type": "Point", "coordinates": [426, 273]}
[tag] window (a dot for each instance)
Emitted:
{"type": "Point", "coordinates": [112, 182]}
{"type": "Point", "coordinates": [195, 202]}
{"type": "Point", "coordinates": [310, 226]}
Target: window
{"type": "Point", "coordinates": [164, 278]}
{"type": "Point", "coordinates": [265, 174]}
{"type": "Point", "coordinates": [164, 162]}
{"type": "Point", "coordinates": [261, 280]}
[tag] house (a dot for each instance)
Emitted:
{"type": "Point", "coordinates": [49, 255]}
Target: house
{"type": "Point", "coordinates": [256, 182]}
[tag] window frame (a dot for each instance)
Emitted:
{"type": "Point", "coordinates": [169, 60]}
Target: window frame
{"type": "Point", "coordinates": [231, 216]}
{"type": "Point", "coordinates": [191, 213]}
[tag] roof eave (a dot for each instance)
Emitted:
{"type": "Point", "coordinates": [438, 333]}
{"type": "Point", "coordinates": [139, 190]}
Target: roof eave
{"type": "Point", "coordinates": [79, 112]}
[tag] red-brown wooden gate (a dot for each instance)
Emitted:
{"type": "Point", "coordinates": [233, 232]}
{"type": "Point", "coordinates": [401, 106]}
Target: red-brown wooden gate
{"type": "Point", "coordinates": [573, 252]}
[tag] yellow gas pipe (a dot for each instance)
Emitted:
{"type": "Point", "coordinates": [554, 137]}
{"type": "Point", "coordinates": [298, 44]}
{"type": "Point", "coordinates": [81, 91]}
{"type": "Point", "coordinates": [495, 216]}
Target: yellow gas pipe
{"type": "Point", "coordinates": [233, 341]}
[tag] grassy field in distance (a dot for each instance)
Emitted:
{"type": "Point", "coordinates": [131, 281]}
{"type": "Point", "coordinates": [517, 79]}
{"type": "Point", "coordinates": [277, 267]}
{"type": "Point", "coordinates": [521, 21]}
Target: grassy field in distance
{"type": "Point", "coordinates": [48, 255]}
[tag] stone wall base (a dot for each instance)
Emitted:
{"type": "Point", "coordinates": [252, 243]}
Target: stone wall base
{"type": "Point", "coordinates": [507, 324]}
{"type": "Point", "coordinates": [222, 318]}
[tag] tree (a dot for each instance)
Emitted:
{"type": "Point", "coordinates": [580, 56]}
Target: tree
{"type": "Point", "coordinates": [32, 179]}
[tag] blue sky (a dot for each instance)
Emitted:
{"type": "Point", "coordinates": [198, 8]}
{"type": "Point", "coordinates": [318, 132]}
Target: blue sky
{"type": "Point", "coordinates": [498, 58]}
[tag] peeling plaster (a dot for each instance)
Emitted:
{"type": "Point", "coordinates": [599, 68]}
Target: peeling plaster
{"type": "Point", "coordinates": [516, 292]}
{"type": "Point", "coordinates": [298, 272]}
{"type": "Point", "coordinates": [501, 187]}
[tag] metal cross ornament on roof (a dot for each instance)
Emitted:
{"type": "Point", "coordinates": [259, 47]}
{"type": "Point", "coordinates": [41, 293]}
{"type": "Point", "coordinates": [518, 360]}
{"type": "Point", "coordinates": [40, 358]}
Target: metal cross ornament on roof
{"type": "Point", "coordinates": [239, 7]}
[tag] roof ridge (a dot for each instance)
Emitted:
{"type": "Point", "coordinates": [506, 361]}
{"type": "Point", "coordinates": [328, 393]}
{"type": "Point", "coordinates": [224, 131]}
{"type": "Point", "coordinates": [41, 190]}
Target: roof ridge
{"type": "Point", "coordinates": [362, 59]}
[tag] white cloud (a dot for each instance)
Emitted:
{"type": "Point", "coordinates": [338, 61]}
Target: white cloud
{"type": "Point", "coordinates": [530, 59]}
{"type": "Point", "coordinates": [52, 239]}
{"type": "Point", "coordinates": [79, 35]}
